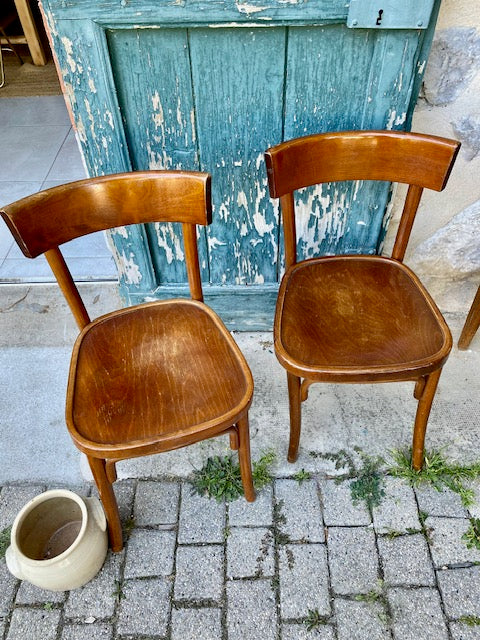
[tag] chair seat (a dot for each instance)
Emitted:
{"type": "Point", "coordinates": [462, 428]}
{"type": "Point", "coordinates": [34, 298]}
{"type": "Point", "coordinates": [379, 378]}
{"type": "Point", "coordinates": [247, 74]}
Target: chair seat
{"type": "Point", "coordinates": [161, 370]}
{"type": "Point", "coordinates": [358, 319]}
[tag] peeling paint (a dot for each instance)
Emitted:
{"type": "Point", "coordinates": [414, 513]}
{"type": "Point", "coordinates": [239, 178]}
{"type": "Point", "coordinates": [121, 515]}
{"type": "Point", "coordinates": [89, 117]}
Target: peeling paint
{"type": "Point", "coordinates": [91, 85]}
{"type": "Point", "coordinates": [248, 9]}
{"type": "Point", "coordinates": [213, 243]}
{"type": "Point", "coordinates": [169, 241]}
{"type": "Point", "coordinates": [68, 46]}
{"type": "Point", "coordinates": [122, 231]}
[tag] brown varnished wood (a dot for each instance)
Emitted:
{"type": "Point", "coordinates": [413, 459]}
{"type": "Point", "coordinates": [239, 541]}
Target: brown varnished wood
{"type": "Point", "coordinates": [359, 319]}
{"type": "Point", "coordinates": [471, 323]}
{"type": "Point", "coordinates": [156, 376]}
{"type": "Point", "coordinates": [50, 218]}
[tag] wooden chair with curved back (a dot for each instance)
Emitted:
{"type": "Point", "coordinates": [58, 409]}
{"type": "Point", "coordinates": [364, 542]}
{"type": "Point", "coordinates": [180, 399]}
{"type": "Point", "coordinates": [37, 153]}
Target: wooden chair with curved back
{"type": "Point", "coordinates": [148, 378]}
{"type": "Point", "coordinates": [358, 318]}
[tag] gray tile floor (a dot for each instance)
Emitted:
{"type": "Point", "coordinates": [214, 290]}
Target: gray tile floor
{"type": "Point", "coordinates": [39, 152]}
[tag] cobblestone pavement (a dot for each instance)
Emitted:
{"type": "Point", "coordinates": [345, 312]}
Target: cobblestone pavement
{"type": "Point", "coordinates": [194, 569]}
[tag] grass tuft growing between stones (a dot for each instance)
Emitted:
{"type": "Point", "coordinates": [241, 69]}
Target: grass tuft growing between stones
{"type": "Point", "coordinates": [314, 619]}
{"type": "Point", "coordinates": [369, 485]}
{"type": "Point", "coordinates": [470, 621]}
{"type": "Point", "coordinates": [471, 537]}
{"type": "Point", "coordinates": [220, 478]}
{"type": "Point", "coordinates": [437, 471]}
{"type": "Point", "coordinates": [302, 476]}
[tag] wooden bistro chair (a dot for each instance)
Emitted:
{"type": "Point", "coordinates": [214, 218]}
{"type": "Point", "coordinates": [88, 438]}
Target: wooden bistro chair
{"type": "Point", "coordinates": [471, 323]}
{"type": "Point", "coordinates": [358, 318]}
{"type": "Point", "coordinates": [156, 376]}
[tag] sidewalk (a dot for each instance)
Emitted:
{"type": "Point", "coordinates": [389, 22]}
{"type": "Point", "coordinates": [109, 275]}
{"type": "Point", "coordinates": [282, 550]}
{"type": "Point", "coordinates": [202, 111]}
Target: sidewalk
{"type": "Point", "coordinates": [196, 569]}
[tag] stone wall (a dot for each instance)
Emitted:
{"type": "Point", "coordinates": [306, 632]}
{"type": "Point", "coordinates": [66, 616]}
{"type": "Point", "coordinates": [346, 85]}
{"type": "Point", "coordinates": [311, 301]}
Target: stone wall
{"type": "Point", "coordinates": [445, 243]}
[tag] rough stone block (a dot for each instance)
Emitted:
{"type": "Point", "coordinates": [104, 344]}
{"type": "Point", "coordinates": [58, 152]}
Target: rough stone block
{"type": "Point", "coordinates": [299, 505]}
{"type": "Point", "coordinates": [299, 632]}
{"type": "Point", "coordinates": [445, 503]}
{"type": "Point", "coordinates": [353, 560]}
{"type": "Point", "coordinates": [13, 498]}
{"type": "Point", "coordinates": [303, 580]}
{"type": "Point", "coordinates": [460, 631]}
{"type": "Point", "coordinates": [250, 553]}
{"type": "Point", "coordinates": [251, 610]}
{"type": "Point", "coordinates": [156, 503]}
{"type": "Point", "coordinates": [398, 510]}
{"type": "Point", "coordinates": [8, 585]}
{"type": "Point", "coordinates": [97, 597]}
{"type": "Point", "coordinates": [32, 624]}
{"type": "Point", "coordinates": [101, 631]}
{"type": "Point", "coordinates": [144, 610]}
{"type": "Point", "coordinates": [256, 514]}
{"type": "Point", "coordinates": [30, 594]}
{"type": "Point", "coordinates": [196, 624]}
{"type": "Point", "coordinates": [406, 561]}
{"type": "Point", "coordinates": [460, 589]}
{"type": "Point", "coordinates": [360, 620]}
{"type": "Point", "coordinates": [338, 508]}
{"type": "Point", "coordinates": [199, 573]}
{"type": "Point", "coordinates": [446, 544]}
{"type": "Point", "coordinates": [417, 614]}
{"type": "Point", "coordinates": [125, 493]}
{"type": "Point", "coordinates": [202, 520]}
{"type": "Point", "coordinates": [150, 553]}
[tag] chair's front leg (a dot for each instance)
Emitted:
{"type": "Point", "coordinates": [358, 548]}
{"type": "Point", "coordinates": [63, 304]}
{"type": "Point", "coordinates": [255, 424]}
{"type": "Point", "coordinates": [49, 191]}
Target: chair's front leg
{"type": "Point", "coordinates": [244, 458]}
{"type": "Point", "coordinates": [294, 401]}
{"type": "Point", "coordinates": [107, 496]}
{"type": "Point", "coordinates": [421, 418]}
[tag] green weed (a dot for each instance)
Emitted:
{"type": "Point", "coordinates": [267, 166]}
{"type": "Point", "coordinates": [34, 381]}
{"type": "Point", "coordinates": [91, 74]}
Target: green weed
{"type": "Point", "coordinates": [314, 619]}
{"type": "Point", "coordinates": [302, 475]}
{"type": "Point", "coordinates": [117, 592]}
{"type": "Point", "coordinates": [470, 621]}
{"type": "Point", "coordinates": [369, 484]}
{"type": "Point", "coordinates": [374, 595]}
{"type": "Point", "coordinates": [436, 470]}
{"type": "Point", "coordinates": [220, 477]}
{"type": "Point", "coordinates": [4, 540]}
{"type": "Point", "coordinates": [471, 537]}
{"type": "Point", "coordinates": [48, 606]}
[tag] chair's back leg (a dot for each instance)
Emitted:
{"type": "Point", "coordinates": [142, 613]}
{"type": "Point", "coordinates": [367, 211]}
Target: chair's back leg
{"type": "Point", "coordinates": [294, 401]}
{"type": "Point", "coordinates": [107, 496]}
{"type": "Point", "coordinates": [471, 323]}
{"type": "Point", "coordinates": [421, 418]}
{"type": "Point", "coordinates": [244, 458]}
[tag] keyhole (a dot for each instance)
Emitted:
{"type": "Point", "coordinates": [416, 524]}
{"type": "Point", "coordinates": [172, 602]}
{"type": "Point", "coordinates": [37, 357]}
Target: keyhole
{"type": "Point", "coordinates": [379, 19]}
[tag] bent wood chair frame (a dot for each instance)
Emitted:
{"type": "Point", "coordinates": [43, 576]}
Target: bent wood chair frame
{"type": "Point", "coordinates": [45, 220]}
{"type": "Point", "coordinates": [421, 161]}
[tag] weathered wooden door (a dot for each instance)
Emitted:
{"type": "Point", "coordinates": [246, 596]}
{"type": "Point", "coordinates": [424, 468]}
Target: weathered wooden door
{"type": "Point", "coordinates": [209, 85]}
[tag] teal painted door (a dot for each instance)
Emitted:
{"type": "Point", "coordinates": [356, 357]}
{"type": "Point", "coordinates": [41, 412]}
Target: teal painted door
{"type": "Point", "coordinates": [209, 86]}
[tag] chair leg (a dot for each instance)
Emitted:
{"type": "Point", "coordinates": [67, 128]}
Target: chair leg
{"type": "Point", "coordinates": [234, 440]}
{"type": "Point", "coordinates": [107, 496]}
{"type": "Point", "coordinates": [294, 400]}
{"type": "Point", "coordinates": [244, 458]}
{"type": "Point", "coordinates": [471, 323]}
{"type": "Point", "coordinates": [421, 418]}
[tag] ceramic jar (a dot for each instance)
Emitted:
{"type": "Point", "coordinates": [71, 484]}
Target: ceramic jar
{"type": "Point", "coordinates": [58, 541]}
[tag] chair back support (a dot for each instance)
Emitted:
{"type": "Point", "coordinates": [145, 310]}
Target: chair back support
{"type": "Point", "coordinates": [43, 221]}
{"type": "Point", "coordinates": [422, 161]}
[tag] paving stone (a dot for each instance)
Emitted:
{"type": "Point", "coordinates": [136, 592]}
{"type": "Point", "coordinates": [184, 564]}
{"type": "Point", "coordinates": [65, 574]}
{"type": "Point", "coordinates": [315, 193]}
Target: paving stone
{"type": "Point", "coordinates": [125, 493]}
{"type": "Point", "coordinates": [406, 561]}
{"type": "Point", "coordinates": [150, 553]}
{"type": "Point", "coordinates": [445, 503]}
{"type": "Point", "coordinates": [145, 607]}
{"type": "Point", "coordinates": [101, 631]}
{"type": "Point", "coordinates": [3, 626]}
{"type": "Point", "coordinates": [446, 544]}
{"type": "Point", "coordinates": [474, 509]}
{"type": "Point", "coordinates": [417, 614]}
{"type": "Point", "coordinates": [156, 503]}
{"type": "Point", "coordinates": [303, 580]}
{"type": "Point", "coordinates": [299, 505]}
{"type": "Point", "coordinates": [299, 632]}
{"type": "Point", "coordinates": [201, 519]}
{"type": "Point", "coordinates": [338, 508]}
{"type": "Point", "coordinates": [360, 620]}
{"type": "Point", "coordinates": [251, 610]}
{"type": "Point", "coordinates": [353, 559]}
{"type": "Point", "coordinates": [460, 631]}
{"type": "Point", "coordinates": [398, 510]}
{"type": "Point", "coordinates": [30, 594]}
{"type": "Point", "coordinates": [199, 573]}
{"type": "Point", "coordinates": [8, 584]}
{"type": "Point", "coordinates": [33, 624]}
{"type": "Point", "coordinates": [256, 514]}
{"type": "Point", "coordinates": [97, 598]}
{"type": "Point", "coordinates": [13, 498]}
{"type": "Point", "coordinates": [250, 552]}
{"type": "Point", "coordinates": [460, 589]}
{"type": "Point", "coordinates": [196, 624]}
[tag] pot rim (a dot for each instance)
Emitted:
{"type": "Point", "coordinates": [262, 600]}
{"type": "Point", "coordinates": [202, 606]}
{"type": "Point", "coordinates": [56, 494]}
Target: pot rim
{"type": "Point", "coordinates": [26, 509]}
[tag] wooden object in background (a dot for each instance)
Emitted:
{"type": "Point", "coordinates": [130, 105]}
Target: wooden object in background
{"type": "Point", "coordinates": [471, 323]}
{"type": "Point", "coordinates": [358, 318]}
{"type": "Point", "coordinates": [31, 36]}
{"type": "Point", "coordinates": [150, 378]}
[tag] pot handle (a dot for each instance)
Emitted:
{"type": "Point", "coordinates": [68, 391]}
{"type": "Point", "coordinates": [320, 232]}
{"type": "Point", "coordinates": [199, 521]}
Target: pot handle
{"type": "Point", "coordinates": [98, 512]}
{"type": "Point", "coordinates": [12, 563]}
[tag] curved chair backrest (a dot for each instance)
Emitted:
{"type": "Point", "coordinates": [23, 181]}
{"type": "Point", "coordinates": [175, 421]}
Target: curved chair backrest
{"type": "Point", "coordinates": [43, 221]}
{"type": "Point", "coordinates": [422, 161]}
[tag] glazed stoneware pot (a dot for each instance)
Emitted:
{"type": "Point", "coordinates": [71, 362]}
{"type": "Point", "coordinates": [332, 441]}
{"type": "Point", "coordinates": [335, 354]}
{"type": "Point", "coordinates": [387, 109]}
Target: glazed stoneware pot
{"type": "Point", "coordinates": [58, 541]}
